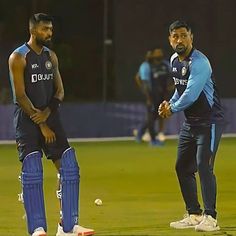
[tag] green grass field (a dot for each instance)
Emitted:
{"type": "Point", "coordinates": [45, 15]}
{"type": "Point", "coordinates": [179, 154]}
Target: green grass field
{"type": "Point", "coordinates": [137, 184]}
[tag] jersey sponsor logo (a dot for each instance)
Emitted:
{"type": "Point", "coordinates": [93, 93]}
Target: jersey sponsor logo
{"type": "Point", "coordinates": [174, 69]}
{"type": "Point", "coordinates": [34, 66]}
{"type": "Point", "coordinates": [180, 81]}
{"type": "Point", "coordinates": [48, 65]}
{"type": "Point", "coordinates": [39, 77]}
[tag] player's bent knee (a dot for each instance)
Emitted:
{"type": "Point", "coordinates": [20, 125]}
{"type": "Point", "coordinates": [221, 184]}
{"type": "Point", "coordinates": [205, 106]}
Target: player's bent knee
{"type": "Point", "coordinates": [178, 167]}
{"type": "Point", "coordinates": [69, 178]}
{"type": "Point", "coordinates": [68, 159]}
{"type": "Point", "coordinates": [32, 184]}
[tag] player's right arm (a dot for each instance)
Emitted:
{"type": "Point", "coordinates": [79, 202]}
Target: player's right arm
{"type": "Point", "coordinates": [137, 80]}
{"type": "Point", "coordinates": [17, 65]}
{"type": "Point", "coordinates": [175, 97]}
{"type": "Point", "coordinates": [200, 72]}
{"type": "Point", "coordinates": [145, 76]}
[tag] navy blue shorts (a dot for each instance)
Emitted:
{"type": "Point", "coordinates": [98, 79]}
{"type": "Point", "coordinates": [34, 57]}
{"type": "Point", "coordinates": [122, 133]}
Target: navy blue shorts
{"type": "Point", "coordinates": [29, 137]}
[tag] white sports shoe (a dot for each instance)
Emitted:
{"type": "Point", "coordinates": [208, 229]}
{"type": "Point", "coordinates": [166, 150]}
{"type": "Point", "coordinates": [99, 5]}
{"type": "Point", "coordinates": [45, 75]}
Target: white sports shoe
{"type": "Point", "coordinates": [39, 232]}
{"type": "Point", "coordinates": [161, 136]}
{"type": "Point", "coordinates": [77, 231]}
{"type": "Point", "coordinates": [146, 137]}
{"type": "Point", "coordinates": [208, 224]}
{"type": "Point", "coordinates": [189, 221]}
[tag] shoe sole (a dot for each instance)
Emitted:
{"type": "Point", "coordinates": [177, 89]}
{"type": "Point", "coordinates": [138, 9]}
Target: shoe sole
{"type": "Point", "coordinates": [202, 230]}
{"type": "Point", "coordinates": [186, 227]}
{"type": "Point", "coordinates": [86, 233]}
{"type": "Point", "coordinates": [42, 234]}
{"type": "Point", "coordinates": [79, 234]}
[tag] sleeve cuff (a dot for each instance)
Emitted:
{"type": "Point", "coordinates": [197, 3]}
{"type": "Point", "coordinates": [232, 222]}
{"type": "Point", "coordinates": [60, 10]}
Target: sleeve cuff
{"type": "Point", "coordinates": [172, 108]}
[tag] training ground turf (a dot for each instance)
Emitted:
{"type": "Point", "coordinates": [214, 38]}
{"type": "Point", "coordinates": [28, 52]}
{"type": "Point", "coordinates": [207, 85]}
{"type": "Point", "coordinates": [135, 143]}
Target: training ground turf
{"type": "Point", "coordinates": [137, 184]}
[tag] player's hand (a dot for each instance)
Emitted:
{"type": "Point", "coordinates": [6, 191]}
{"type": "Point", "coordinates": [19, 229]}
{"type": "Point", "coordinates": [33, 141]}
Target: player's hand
{"type": "Point", "coordinates": [164, 110]}
{"type": "Point", "coordinates": [48, 134]}
{"type": "Point", "coordinates": [40, 116]}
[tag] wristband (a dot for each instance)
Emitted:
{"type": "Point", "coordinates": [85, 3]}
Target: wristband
{"type": "Point", "coordinates": [54, 104]}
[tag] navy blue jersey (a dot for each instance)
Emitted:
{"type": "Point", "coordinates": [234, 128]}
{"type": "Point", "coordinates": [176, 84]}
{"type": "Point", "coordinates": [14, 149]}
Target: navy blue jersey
{"type": "Point", "coordinates": [196, 92]}
{"type": "Point", "coordinates": [38, 76]}
{"type": "Point", "coordinates": [156, 76]}
{"type": "Point", "coordinates": [159, 76]}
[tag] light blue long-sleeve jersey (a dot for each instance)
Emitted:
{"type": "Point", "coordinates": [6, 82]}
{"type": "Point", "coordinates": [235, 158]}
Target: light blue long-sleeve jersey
{"type": "Point", "coordinates": [195, 92]}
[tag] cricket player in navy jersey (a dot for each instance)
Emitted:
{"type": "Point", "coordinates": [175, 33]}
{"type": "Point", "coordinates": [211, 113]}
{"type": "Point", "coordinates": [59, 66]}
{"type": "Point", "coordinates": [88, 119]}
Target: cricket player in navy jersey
{"type": "Point", "coordinates": [38, 92]}
{"type": "Point", "coordinates": [196, 95]}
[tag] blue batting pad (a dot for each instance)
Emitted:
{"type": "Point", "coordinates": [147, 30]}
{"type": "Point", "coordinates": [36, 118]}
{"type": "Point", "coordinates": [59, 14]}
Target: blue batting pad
{"type": "Point", "coordinates": [69, 172]}
{"type": "Point", "coordinates": [32, 184]}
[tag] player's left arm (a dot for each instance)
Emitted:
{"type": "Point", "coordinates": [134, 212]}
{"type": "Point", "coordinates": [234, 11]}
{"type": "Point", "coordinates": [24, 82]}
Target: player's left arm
{"type": "Point", "coordinates": [200, 72]}
{"type": "Point", "coordinates": [58, 97]}
{"type": "Point", "coordinates": [59, 89]}
{"type": "Point", "coordinates": [138, 81]}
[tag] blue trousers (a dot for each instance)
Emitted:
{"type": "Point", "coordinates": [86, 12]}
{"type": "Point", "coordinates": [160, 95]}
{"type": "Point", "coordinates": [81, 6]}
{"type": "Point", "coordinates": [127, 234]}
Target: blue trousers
{"type": "Point", "coordinates": [196, 153]}
{"type": "Point", "coordinates": [149, 122]}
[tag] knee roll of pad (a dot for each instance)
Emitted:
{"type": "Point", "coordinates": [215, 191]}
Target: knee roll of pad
{"type": "Point", "coordinates": [32, 185]}
{"type": "Point", "coordinates": [69, 174]}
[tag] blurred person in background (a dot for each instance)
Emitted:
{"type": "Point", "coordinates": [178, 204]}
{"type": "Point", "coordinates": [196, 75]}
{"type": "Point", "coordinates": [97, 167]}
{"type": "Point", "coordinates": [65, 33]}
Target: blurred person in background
{"type": "Point", "coordinates": [154, 81]}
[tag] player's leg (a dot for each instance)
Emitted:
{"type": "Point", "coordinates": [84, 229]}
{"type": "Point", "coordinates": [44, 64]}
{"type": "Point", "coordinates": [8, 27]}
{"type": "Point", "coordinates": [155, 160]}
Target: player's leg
{"type": "Point", "coordinates": [69, 184]}
{"type": "Point", "coordinates": [208, 141]}
{"type": "Point", "coordinates": [142, 129]}
{"type": "Point", "coordinates": [161, 125]}
{"type": "Point", "coordinates": [152, 117]}
{"type": "Point", "coordinates": [161, 121]}
{"type": "Point", "coordinates": [64, 159]}
{"type": "Point", "coordinates": [151, 121]}
{"type": "Point", "coordinates": [32, 185]}
{"type": "Point", "coordinates": [185, 169]}
{"type": "Point", "coordinates": [27, 134]}
{"type": "Point", "coordinates": [69, 181]}
{"type": "Point", "coordinates": [161, 135]}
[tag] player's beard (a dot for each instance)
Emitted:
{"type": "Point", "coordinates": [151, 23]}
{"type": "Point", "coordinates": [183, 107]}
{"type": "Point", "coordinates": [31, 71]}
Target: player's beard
{"type": "Point", "coordinates": [43, 42]}
{"type": "Point", "coordinates": [180, 49]}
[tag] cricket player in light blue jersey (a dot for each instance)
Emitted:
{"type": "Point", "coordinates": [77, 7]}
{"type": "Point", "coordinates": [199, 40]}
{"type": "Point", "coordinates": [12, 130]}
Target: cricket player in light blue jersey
{"type": "Point", "coordinates": [196, 95]}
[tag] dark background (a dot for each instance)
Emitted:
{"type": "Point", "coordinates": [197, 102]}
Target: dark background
{"type": "Point", "coordinates": [96, 71]}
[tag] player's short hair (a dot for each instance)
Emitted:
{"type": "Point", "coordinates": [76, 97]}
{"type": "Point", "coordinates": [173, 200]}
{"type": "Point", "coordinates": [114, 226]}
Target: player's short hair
{"type": "Point", "coordinates": [37, 18]}
{"type": "Point", "coordinates": [157, 53]}
{"type": "Point", "coordinates": [179, 24]}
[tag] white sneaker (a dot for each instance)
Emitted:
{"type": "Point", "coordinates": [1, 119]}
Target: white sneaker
{"type": "Point", "coordinates": [135, 132]}
{"type": "Point", "coordinates": [146, 137]}
{"type": "Point", "coordinates": [208, 224]}
{"type": "Point", "coordinates": [161, 136]}
{"type": "Point", "coordinates": [39, 232]}
{"type": "Point", "coordinates": [77, 231]}
{"type": "Point", "coordinates": [189, 221]}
